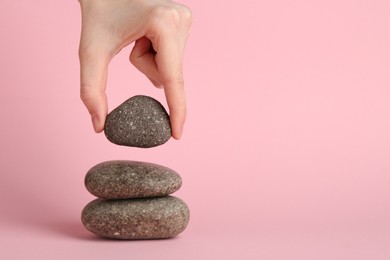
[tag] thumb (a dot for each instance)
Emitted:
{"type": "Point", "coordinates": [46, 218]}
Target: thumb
{"type": "Point", "coordinates": [93, 78]}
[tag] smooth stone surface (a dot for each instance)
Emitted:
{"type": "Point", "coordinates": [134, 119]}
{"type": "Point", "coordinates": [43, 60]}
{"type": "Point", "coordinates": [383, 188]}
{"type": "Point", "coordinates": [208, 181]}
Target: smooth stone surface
{"type": "Point", "coordinates": [140, 121]}
{"type": "Point", "coordinates": [144, 218]}
{"type": "Point", "coordinates": [131, 179]}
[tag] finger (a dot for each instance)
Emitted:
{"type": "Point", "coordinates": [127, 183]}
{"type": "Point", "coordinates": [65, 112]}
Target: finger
{"type": "Point", "coordinates": [169, 62]}
{"type": "Point", "coordinates": [174, 93]}
{"type": "Point", "coordinates": [93, 77]}
{"type": "Point", "coordinates": [142, 57]}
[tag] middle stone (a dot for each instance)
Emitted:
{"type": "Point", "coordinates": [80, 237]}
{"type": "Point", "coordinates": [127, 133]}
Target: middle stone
{"type": "Point", "coordinates": [131, 179]}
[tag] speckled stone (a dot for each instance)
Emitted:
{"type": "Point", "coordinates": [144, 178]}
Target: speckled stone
{"type": "Point", "coordinates": [140, 121]}
{"type": "Point", "coordinates": [143, 218]}
{"type": "Point", "coordinates": [131, 179]}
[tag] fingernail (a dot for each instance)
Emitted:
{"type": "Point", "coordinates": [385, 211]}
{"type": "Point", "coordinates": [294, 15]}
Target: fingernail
{"type": "Point", "coordinates": [180, 133]}
{"type": "Point", "coordinates": [95, 122]}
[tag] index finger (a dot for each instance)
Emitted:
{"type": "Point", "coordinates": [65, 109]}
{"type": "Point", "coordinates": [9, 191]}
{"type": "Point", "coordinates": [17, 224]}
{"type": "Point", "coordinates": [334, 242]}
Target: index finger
{"type": "Point", "coordinates": [170, 66]}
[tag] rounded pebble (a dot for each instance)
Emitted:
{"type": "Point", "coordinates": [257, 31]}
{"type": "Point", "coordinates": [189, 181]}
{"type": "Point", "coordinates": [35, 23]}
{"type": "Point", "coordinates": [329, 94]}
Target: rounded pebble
{"type": "Point", "coordinates": [140, 121]}
{"type": "Point", "coordinates": [144, 218]}
{"type": "Point", "coordinates": [131, 179]}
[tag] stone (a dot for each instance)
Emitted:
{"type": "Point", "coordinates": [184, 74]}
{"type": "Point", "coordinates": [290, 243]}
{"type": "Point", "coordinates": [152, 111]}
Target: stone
{"type": "Point", "coordinates": [142, 218]}
{"type": "Point", "coordinates": [140, 121]}
{"type": "Point", "coordinates": [131, 179]}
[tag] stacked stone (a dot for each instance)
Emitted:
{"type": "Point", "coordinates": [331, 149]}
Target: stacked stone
{"type": "Point", "coordinates": [134, 200]}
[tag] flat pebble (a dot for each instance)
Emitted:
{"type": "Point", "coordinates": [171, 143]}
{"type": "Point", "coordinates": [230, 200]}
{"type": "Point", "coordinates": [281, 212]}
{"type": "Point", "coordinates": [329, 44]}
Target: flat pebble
{"type": "Point", "coordinates": [143, 218]}
{"type": "Point", "coordinates": [140, 121]}
{"type": "Point", "coordinates": [131, 179]}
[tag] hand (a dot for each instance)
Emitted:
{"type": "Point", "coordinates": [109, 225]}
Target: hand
{"type": "Point", "coordinates": [159, 29]}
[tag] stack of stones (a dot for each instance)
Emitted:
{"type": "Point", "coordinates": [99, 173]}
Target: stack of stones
{"type": "Point", "coordinates": [134, 200]}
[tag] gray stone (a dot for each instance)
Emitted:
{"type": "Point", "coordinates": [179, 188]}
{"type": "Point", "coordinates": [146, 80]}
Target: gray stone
{"type": "Point", "coordinates": [140, 121]}
{"type": "Point", "coordinates": [143, 218]}
{"type": "Point", "coordinates": [131, 179]}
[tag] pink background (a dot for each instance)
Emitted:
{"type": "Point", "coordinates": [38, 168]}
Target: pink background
{"type": "Point", "coordinates": [286, 149]}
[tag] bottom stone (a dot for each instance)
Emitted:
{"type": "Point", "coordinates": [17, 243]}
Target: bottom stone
{"type": "Point", "coordinates": [143, 218]}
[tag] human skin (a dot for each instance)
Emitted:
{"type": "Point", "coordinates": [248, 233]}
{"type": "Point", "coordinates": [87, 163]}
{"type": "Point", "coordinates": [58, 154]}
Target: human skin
{"type": "Point", "coordinates": [159, 29]}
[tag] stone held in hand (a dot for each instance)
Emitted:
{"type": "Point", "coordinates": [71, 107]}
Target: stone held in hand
{"type": "Point", "coordinates": [140, 121]}
{"type": "Point", "coordinates": [143, 218]}
{"type": "Point", "coordinates": [122, 179]}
